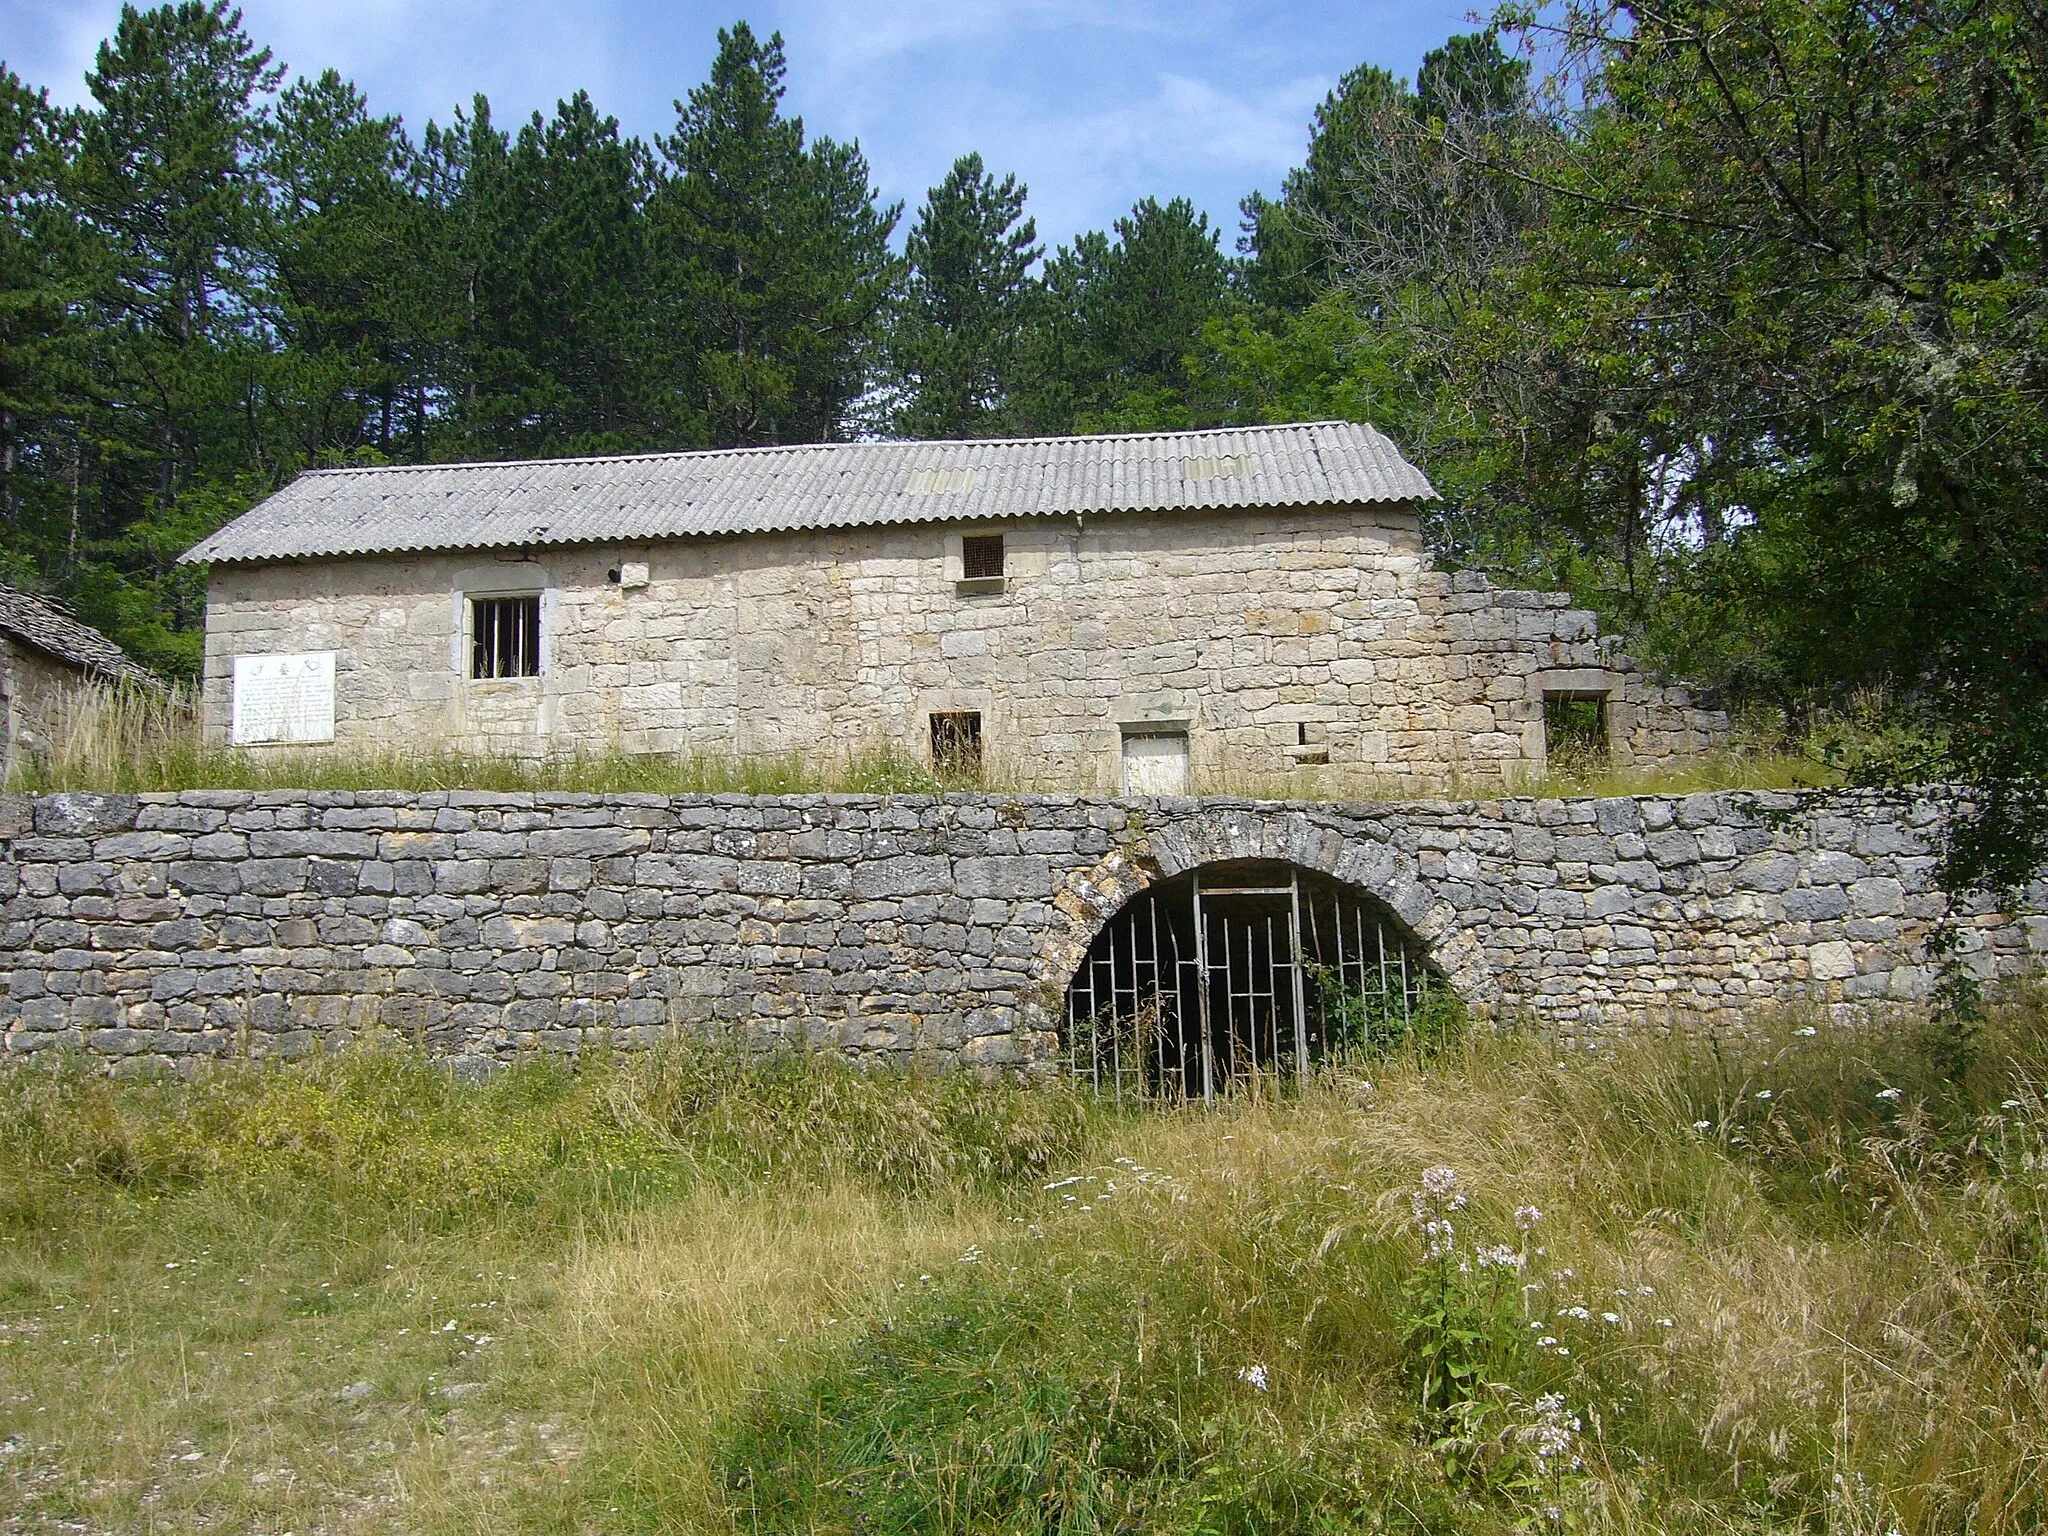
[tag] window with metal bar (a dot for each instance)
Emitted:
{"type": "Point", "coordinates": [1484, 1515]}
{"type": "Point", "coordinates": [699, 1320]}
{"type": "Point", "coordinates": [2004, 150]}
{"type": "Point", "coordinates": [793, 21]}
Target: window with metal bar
{"type": "Point", "coordinates": [504, 637]}
{"type": "Point", "coordinates": [981, 557]}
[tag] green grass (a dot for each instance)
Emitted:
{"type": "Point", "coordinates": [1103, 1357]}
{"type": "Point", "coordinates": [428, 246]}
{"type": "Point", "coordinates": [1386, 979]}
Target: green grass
{"type": "Point", "coordinates": [690, 1292]}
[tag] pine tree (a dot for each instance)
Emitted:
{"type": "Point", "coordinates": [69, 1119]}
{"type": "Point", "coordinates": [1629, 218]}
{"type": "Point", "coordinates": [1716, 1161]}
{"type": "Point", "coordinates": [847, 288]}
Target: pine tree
{"type": "Point", "coordinates": [1118, 320]}
{"type": "Point", "coordinates": [39, 268]}
{"type": "Point", "coordinates": [1287, 239]}
{"type": "Point", "coordinates": [340, 212]}
{"type": "Point", "coordinates": [166, 181]}
{"type": "Point", "coordinates": [572, 293]}
{"type": "Point", "coordinates": [956, 343]}
{"type": "Point", "coordinates": [466, 232]}
{"type": "Point", "coordinates": [774, 257]}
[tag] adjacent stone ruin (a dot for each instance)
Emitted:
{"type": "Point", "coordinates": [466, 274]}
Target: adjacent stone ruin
{"type": "Point", "coordinates": [161, 929]}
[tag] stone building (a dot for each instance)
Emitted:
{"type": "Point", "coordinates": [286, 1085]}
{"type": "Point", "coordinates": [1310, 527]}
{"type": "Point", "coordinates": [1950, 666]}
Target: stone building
{"type": "Point", "coordinates": [46, 654]}
{"type": "Point", "coordinates": [1138, 612]}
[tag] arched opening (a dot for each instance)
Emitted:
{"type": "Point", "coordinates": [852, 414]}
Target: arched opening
{"type": "Point", "coordinates": [1238, 976]}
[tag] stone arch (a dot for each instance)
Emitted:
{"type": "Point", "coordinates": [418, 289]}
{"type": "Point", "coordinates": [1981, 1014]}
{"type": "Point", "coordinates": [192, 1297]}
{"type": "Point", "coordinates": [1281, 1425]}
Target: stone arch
{"type": "Point", "coordinates": [1092, 897]}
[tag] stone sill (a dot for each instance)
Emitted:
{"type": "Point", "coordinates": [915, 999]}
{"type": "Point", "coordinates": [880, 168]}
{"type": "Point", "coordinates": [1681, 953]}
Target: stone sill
{"type": "Point", "coordinates": [503, 684]}
{"type": "Point", "coordinates": [1306, 757]}
{"type": "Point", "coordinates": [981, 586]}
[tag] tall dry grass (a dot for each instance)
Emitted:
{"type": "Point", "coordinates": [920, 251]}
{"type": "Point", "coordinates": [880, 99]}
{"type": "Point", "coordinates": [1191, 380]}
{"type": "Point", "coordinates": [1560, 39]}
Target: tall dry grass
{"type": "Point", "coordinates": [1792, 1282]}
{"type": "Point", "coordinates": [130, 741]}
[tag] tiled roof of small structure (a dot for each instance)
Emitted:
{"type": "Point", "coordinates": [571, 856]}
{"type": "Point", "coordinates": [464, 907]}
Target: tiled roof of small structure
{"type": "Point", "coordinates": [51, 630]}
{"type": "Point", "coordinates": [814, 485]}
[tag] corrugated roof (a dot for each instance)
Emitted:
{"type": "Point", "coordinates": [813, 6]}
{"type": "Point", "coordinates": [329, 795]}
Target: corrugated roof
{"type": "Point", "coordinates": [814, 485]}
{"type": "Point", "coordinates": [51, 630]}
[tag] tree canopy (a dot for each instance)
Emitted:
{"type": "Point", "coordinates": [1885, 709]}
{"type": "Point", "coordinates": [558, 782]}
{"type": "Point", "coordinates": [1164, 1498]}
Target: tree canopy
{"type": "Point", "coordinates": [1732, 321]}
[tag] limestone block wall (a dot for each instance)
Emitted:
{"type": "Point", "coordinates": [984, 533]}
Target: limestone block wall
{"type": "Point", "coordinates": [33, 691]}
{"type": "Point", "coordinates": [159, 930]}
{"type": "Point", "coordinates": [1281, 638]}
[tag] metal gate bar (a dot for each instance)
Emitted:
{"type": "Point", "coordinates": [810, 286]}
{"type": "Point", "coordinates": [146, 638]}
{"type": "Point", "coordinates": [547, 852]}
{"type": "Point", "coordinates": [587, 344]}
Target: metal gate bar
{"type": "Point", "coordinates": [1222, 979]}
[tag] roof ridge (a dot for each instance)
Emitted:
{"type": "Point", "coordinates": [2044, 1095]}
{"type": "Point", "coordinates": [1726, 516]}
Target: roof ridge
{"type": "Point", "coordinates": [874, 442]}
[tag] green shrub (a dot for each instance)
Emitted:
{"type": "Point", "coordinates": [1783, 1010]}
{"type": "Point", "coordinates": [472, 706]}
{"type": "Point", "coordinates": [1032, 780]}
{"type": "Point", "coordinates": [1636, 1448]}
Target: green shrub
{"type": "Point", "coordinates": [1370, 1026]}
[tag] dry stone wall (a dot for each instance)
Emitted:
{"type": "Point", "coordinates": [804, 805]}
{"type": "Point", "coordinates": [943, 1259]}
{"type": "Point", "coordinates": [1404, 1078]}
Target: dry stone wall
{"type": "Point", "coordinates": [162, 929]}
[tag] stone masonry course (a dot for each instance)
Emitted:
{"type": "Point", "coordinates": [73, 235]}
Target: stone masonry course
{"type": "Point", "coordinates": [159, 930]}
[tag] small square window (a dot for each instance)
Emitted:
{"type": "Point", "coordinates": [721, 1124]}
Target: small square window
{"type": "Point", "coordinates": [981, 557]}
{"type": "Point", "coordinates": [1575, 728]}
{"type": "Point", "coordinates": [956, 743]}
{"type": "Point", "coordinates": [504, 636]}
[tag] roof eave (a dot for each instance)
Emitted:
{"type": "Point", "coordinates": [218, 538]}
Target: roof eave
{"type": "Point", "coordinates": [197, 555]}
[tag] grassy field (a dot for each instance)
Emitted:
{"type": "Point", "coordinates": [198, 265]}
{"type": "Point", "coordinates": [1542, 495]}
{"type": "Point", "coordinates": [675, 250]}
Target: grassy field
{"type": "Point", "coordinates": [1796, 1283]}
{"type": "Point", "coordinates": [128, 742]}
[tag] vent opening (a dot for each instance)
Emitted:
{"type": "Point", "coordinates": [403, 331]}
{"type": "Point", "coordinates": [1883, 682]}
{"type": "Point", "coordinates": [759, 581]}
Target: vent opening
{"type": "Point", "coordinates": [981, 556]}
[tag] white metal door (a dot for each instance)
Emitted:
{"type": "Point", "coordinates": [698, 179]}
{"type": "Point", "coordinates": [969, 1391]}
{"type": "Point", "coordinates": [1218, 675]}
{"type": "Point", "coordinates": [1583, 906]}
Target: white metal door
{"type": "Point", "coordinates": [1156, 763]}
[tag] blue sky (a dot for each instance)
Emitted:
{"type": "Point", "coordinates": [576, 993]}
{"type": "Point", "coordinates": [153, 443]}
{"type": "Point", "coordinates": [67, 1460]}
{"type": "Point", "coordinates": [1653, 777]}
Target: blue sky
{"type": "Point", "coordinates": [1093, 103]}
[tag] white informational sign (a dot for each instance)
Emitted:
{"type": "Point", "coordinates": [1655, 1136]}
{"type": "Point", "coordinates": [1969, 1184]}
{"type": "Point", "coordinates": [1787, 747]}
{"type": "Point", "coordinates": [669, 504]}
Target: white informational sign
{"type": "Point", "coordinates": [287, 698]}
{"type": "Point", "coordinates": [1156, 764]}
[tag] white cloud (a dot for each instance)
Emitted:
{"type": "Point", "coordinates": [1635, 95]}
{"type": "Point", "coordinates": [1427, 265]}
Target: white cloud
{"type": "Point", "coordinates": [1094, 103]}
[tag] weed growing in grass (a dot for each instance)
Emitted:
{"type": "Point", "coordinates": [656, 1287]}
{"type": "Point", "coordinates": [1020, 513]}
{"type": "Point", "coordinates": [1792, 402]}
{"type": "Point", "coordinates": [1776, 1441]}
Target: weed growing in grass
{"type": "Point", "coordinates": [1462, 1318]}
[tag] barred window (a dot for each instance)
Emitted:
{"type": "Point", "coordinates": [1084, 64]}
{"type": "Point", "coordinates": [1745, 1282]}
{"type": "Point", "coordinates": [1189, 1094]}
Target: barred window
{"type": "Point", "coordinates": [981, 556]}
{"type": "Point", "coordinates": [504, 636]}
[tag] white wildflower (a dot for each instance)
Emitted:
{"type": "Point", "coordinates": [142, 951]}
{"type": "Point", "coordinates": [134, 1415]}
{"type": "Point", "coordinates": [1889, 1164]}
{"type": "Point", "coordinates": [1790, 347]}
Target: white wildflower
{"type": "Point", "coordinates": [1578, 1312]}
{"type": "Point", "coordinates": [2012, 1104]}
{"type": "Point", "coordinates": [1432, 1205]}
{"type": "Point", "coordinates": [1808, 1031]}
{"type": "Point", "coordinates": [1665, 1322]}
{"type": "Point", "coordinates": [1500, 1256]}
{"type": "Point", "coordinates": [1890, 1095]}
{"type": "Point", "coordinates": [1553, 1434]}
{"type": "Point", "coordinates": [1763, 1093]}
{"type": "Point", "coordinates": [1253, 1376]}
{"type": "Point", "coordinates": [1610, 1317]}
{"type": "Point", "coordinates": [1526, 1217]}
{"type": "Point", "coordinates": [1703, 1126]}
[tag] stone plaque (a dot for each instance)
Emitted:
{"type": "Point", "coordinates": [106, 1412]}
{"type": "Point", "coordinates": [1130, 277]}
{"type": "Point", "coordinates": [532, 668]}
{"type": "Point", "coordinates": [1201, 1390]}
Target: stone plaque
{"type": "Point", "coordinates": [284, 698]}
